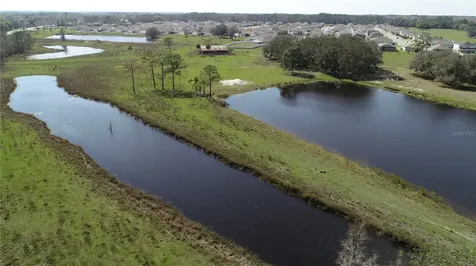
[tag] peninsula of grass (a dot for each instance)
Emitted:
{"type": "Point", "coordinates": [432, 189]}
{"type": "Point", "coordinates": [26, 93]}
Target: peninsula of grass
{"type": "Point", "coordinates": [303, 169]}
{"type": "Point", "coordinates": [58, 207]}
{"type": "Point", "coordinates": [416, 87]}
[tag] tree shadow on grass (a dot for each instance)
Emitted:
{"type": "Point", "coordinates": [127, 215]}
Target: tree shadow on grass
{"type": "Point", "coordinates": [302, 75]}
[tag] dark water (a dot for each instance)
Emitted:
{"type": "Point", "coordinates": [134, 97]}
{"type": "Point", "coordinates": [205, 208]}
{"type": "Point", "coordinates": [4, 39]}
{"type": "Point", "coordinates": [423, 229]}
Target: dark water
{"type": "Point", "coordinates": [102, 38]}
{"type": "Point", "coordinates": [68, 51]}
{"type": "Point", "coordinates": [278, 228]}
{"type": "Point", "coordinates": [429, 145]}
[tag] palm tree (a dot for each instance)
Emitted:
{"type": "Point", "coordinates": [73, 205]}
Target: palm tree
{"type": "Point", "coordinates": [195, 81]}
{"type": "Point", "coordinates": [197, 84]}
{"type": "Point", "coordinates": [210, 75]}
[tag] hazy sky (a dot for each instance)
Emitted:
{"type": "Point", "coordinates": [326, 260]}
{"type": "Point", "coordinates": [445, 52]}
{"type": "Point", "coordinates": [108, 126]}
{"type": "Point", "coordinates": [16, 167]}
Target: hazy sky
{"type": "Point", "coordinates": [404, 7]}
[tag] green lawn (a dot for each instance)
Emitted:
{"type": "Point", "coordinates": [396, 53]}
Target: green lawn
{"type": "Point", "coordinates": [290, 163]}
{"type": "Point", "coordinates": [399, 62]}
{"type": "Point", "coordinates": [398, 59]}
{"type": "Point", "coordinates": [449, 34]}
{"type": "Point", "coordinates": [59, 208]}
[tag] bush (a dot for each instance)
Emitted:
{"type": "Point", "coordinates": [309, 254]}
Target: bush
{"type": "Point", "coordinates": [16, 43]}
{"type": "Point", "coordinates": [152, 33]}
{"type": "Point", "coordinates": [445, 67]}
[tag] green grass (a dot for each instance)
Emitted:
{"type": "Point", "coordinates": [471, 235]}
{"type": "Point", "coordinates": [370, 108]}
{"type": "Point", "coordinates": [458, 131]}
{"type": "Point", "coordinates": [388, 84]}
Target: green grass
{"type": "Point", "coordinates": [448, 34]}
{"type": "Point", "coordinates": [398, 59]}
{"type": "Point", "coordinates": [288, 162]}
{"type": "Point", "coordinates": [398, 62]}
{"type": "Point", "coordinates": [59, 208]}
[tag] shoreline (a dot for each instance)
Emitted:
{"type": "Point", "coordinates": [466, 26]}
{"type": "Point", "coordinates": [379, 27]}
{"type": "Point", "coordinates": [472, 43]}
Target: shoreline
{"type": "Point", "coordinates": [350, 207]}
{"type": "Point", "coordinates": [291, 190]}
{"type": "Point", "coordinates": [129, 198]}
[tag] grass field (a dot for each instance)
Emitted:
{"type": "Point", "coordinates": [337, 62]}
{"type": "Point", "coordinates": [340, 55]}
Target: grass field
{"type": "Point", "coordinates": [398, 62]}
{"type": "Point", "coordinates": [59, 208]}
{"type": "Point", "coordinates": [288, 162]}
{"type": "Point", "coordinates": [448, 34]}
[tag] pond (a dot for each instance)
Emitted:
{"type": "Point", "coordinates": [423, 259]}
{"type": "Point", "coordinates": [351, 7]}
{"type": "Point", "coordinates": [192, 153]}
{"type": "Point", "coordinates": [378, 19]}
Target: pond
{"type": "Point", "coordinates": [429, 145]}
{"type": "Point", "coordinates": [102, 38]}
{"type": "Point", "coordinates": [67, 51]}
{"type": "Point", "coordinates": [280, 229]}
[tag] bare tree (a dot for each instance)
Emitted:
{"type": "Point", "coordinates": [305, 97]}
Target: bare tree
{"type": "Point", "coordinates": [175, 63]}
{"type": "Point", "coordinates": [162, 57]}
{"type": "Point", "coordinates": [150, 58]}
{"type": "Point", "coordinates": [131, 66]}
{"type": "Point", "coordinates": [187, 34]}
{"type": "Point", "coordinates": [352, 251]}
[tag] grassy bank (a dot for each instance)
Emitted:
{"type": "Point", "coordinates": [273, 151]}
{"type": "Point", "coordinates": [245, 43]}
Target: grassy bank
{"type": "Point", "coordinates": [306, 170]}
{"type": "Point", "coordinates": [431, 91]}
{"type": "Point", "coordinates": [59, 208]}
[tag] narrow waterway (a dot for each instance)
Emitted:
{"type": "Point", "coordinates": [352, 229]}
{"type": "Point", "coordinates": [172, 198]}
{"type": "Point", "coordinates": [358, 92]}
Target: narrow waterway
{"type": "Point", "coordinates": [67, 51]}
{"type": "Point", "coordinates": [429, 145]}
{"type": "Point", "coordinates": [280, 229]}
{"type": "Point", "coordinates": [102, 38]}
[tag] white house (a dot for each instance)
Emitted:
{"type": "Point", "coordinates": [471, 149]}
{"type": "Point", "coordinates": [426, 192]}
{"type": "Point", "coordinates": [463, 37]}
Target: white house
{"type": "Point", "coordinates": [465, 48]}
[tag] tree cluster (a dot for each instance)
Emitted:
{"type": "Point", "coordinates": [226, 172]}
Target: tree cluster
{"type": "Point", "coordinates": [16, 43]}
{"type": "Point", "coordinates": [207, 77]}
{"type": "Point", "coordinates": [344, 57]}
{"type": "Point", "coordinates": [152, 33]}
{"type": "Point", "coordinates": [220, 30]}
{"type": "Point", "coordinates": [169, 63]}
{"type": "Point", "coordinates": [446, 67]}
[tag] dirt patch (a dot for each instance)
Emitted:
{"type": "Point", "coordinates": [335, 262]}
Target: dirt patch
{"type": "Point", "coordinates": [233, 82]}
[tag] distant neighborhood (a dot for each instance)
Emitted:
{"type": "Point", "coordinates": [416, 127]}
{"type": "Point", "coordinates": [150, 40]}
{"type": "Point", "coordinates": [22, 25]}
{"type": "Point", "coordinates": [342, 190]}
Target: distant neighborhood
{"type": "Point", "coordinates": [388, 38]}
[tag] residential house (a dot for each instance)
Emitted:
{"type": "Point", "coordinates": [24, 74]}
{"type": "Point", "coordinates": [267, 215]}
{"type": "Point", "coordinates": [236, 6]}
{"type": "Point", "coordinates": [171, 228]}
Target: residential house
{"type": "Point", "coordinates": [379, 40]}
{"type": "Point", "coordinates": [214, 49]}
{"type": "Point", "coordinates": [441, 45]}
{"type": "Point", "coordinates": [387, 47]}
{"type": "Point", "coordinates": [408, 48]}
{"type": "Point", "coordinates": [465, 48]}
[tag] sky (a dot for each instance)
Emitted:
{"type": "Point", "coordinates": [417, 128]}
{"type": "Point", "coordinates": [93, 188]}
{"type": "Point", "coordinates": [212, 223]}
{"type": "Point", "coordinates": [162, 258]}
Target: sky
{"type": "Point", "coordinates": [382, 7]}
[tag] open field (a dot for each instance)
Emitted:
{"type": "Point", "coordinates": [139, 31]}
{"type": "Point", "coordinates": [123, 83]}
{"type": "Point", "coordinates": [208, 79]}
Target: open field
{"type": "Point", "coordinates": [385, 203]}
{"type": "Point", "coordinates": [59, 208]}
{"type": "Point", "coordinates": [398, 62]}
{"type": "Point", "coordinates": [448, 34]}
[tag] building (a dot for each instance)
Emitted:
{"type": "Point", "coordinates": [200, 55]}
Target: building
{"type": "Point", "coordinates": [440, 47]}
{"type": "Point", "coordinates": [214, 49]}
{"type": "Point", "coordinates": [465, 48]}
{"type": "Point", "coordinates": [387, 47]}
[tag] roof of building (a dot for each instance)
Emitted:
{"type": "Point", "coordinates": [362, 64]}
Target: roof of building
{"type": "Point", "coordinates": [386, 45]}
{"type": "Point", "coordinates": [214, 48]}
{"type": "Point", "coordinates": [439, 47]}
{"type": "Point", "coordinates": [467, 45]}
{"type": "Point", "coordinates": [381, 39]}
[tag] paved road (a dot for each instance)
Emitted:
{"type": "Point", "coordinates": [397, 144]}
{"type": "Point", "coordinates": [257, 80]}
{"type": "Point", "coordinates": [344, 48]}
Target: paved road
{"type": "Point", "coordinates": [398, 40]}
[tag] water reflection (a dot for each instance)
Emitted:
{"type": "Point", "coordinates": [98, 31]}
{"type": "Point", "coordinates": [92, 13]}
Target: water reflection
{"type": "Point", "coordinates": [125, 39]}
{"type": "Point", "coordinates": [280, 229]}
{"type": "Point", "coordinates": [409, 137]}
{"type": "Point", "coordinates": [67, 51]}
